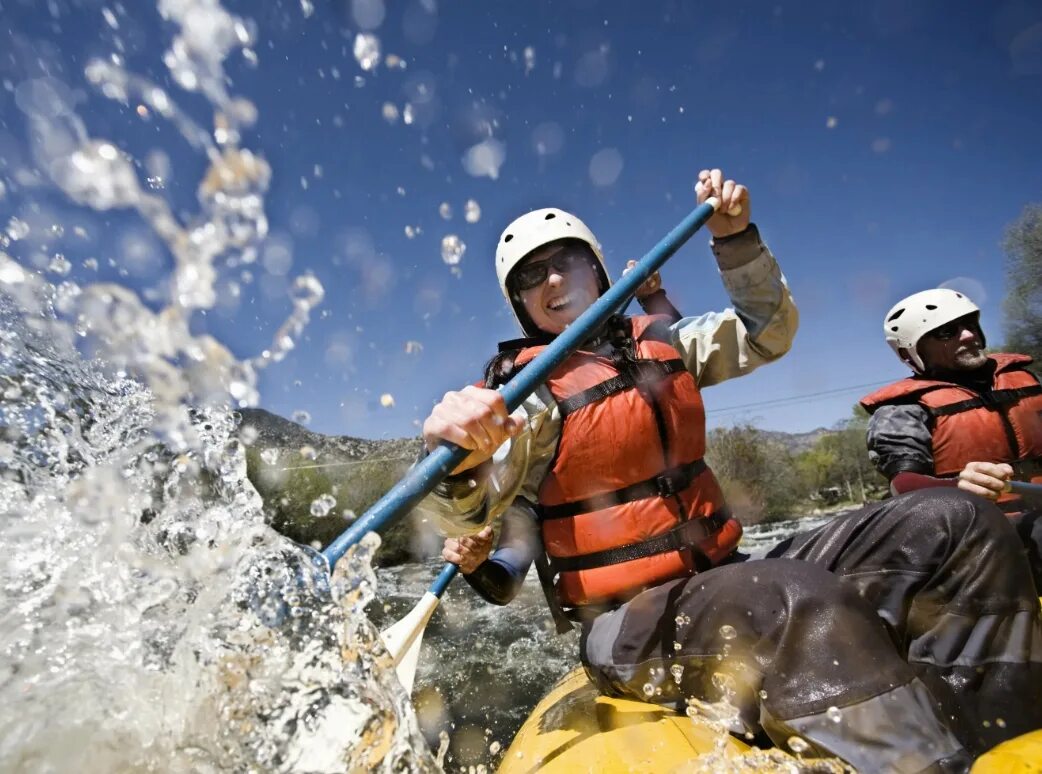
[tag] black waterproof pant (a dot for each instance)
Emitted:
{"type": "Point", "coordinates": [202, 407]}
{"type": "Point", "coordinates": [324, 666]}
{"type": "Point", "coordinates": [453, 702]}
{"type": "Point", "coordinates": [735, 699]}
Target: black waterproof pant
{"type": "Point", "coordinates": [902, 637]}
{"type": "Point", "coordinates": [1029, 528]}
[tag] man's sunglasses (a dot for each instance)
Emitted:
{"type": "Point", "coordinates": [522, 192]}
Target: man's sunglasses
{"type": "Point", "coordinates": [530, 275]}
{"type": "Point", "coordinates": [949, 331]}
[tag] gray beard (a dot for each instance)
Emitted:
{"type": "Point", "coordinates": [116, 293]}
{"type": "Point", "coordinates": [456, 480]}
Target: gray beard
{"type": "Point", "coordinates": [969, 361]}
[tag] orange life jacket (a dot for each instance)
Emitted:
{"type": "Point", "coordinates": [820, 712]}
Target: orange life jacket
{"type": "Point", "coordinates": [628, 502]}
{"type": "Point", "coordinates": [1001, 425]}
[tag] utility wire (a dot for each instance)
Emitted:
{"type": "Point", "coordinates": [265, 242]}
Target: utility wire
{"type": "Point", "coordinates": [796, 398]}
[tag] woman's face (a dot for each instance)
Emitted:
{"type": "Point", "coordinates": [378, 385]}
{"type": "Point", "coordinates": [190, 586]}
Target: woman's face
{"type": "Point", "coordinates": [566, 292]}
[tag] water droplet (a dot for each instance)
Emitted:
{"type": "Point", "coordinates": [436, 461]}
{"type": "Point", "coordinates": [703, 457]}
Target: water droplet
{"type": "Point", "coordinates": [529, 59]}
{"type": "Point", "coordinates": [452, 249]}
{"type": "Point", "coordinates": [270, 456]}
{"type": "Point", "coordinates": [390, 112]}
{"type": "Point", "coordinates": [677, 670]}
{"type": "Point", "coordinates": [834, 714]}
{"type": "Point", "coordinates": [797, 745]}
{"type": "Point", "coordinates": [413, 347]}
{"type": "Point", "coordinates": [367, 50]}
{"type": "Point", "coordinates": [59, 265]}
{"type": "Point", "coordinates": [387, 400]}
{"type": "Point", "coordinates": [494, 748]}
{"type": "Point", "coordinates": [322, 505]}
{"type": "Point", "coordinates": [649, 689]}
{"type": "Point", "coordinates": [17, 229]}
{"type": "Point", "coordinates": [301, 417]}
{"type": "Point", "coordinates": [307, 7]}
{"type": "Point", "coordinates": [445, 210]}
{"type": "Point", "coordinates": [408, 115]}
{"type": "Point", "coordinates": [99, 176]}
{"type": "Point", "coordinates": [485, 159]}
{"type": "Point", "coordinates": [1000, 722]}
{"type": "Point", "coordinates": [472, 211]}
{"type": "Point", "coordinates": [308, 452]}
{"type": "Point", "coordinates": [728, 632]}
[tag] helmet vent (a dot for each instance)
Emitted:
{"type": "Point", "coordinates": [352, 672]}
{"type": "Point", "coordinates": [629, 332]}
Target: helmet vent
{"type": "Point", "coordinates": [895, 315]}
{"type": "Point", "coordinates": [550, 216]}
{"type": "Point", "coordinates": [508, 237]}
{"type": "Point", "coordinates": [959, 295]}
{"type": "Point", "coordinates": [931, 307]}
{"type": "Point", "coordinates": [894, 328]}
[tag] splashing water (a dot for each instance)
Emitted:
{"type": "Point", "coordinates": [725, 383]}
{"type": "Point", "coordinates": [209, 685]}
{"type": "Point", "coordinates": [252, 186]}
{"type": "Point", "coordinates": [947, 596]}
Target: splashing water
{"type": "Point", "coordinates": [149, 618]}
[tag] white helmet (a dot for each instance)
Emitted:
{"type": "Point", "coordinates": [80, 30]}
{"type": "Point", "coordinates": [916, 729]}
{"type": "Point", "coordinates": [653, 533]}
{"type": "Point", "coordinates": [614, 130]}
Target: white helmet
{"type": "Point", "coordinates": [533, 230]}
{"type": "Point", "coordinates": [912, 318]}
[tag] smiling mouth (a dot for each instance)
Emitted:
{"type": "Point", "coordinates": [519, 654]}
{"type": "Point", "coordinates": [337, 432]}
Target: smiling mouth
{"type": "Point", "coordinates": [560, 304]}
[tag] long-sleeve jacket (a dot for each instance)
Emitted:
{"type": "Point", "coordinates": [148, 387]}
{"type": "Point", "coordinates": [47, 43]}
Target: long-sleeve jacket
{"type": "Point", "coordinates": [715, 346]}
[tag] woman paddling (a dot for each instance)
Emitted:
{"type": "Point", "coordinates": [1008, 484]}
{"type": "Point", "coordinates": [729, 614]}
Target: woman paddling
{"type": "Point", "coordinates": [915, 619]}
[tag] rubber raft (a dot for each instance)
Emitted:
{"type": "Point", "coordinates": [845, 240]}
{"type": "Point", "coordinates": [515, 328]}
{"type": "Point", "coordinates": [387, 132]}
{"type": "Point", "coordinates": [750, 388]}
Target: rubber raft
{"type": "Point", "coordinates": [576, 729]}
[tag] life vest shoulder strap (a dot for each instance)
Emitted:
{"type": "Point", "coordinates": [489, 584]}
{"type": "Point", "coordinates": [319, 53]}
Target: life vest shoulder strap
{"type": "Point", "coordinates": [1008, 361]}
{"type": "Point", "coordinates": [993, 399]}
{"type": "Point", "coordinates": [643, 372]}
{"type": "Point", "coordinates": [903, 391]}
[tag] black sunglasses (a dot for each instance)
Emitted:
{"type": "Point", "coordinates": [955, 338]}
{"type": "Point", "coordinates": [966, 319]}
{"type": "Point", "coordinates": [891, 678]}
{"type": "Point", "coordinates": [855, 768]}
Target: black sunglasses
{"type": "Point", "coordinates": [949, 331]}
{"type": "Point", "coordinates": [530, 275]}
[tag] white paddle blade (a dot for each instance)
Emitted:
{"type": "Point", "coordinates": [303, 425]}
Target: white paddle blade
{"type": "Point", "coordinates": [403, 639]}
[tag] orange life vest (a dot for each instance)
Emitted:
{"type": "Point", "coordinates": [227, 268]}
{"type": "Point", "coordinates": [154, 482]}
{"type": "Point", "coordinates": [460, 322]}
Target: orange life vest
{"type": "Point", "coordinates": [628, 502]}
{"type": "Point", "coordinates": [1001, 425]}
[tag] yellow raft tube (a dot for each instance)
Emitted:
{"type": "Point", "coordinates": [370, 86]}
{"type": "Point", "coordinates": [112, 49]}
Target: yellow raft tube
{"type": "Point", "coordinates": [574, 729]}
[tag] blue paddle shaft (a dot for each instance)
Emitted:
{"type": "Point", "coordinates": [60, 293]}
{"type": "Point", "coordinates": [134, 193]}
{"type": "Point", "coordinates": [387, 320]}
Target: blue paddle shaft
{"type": "Point", "coordinates": [1023, 488]}
{"type": "Point", "coordinates": [430, 471]}
{"type": "Point", "coordinates": [448, 572]}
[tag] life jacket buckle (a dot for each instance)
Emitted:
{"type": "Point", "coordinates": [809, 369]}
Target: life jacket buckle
{"type": "Point", "coordinates": [990, 400]}
{"type": "Point", "coordinates": [667, 486]}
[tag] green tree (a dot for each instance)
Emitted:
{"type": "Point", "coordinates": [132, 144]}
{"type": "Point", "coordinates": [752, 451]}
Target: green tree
{"type": "Point", "coordinates": [758, 475]}
{"type": "Point", "coordinates": [1023, 304]}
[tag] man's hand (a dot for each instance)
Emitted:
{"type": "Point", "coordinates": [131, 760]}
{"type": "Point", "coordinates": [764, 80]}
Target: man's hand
{"type": "Point", "coordinates": [711, 182]}
{"type": "Point", "coordinates": [468, 552]}
{"type": "Point", "coordinates": [986, 479]}
{"type": "Point", "coordinates": [473, 418]}
{"type": "Point", "coordinates": [650, 285]}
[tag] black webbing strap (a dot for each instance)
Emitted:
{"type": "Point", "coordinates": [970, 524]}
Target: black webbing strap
{"type": "Point", "coordinates": [644, 371]}
{"type": "Point", "coordinates": [991, 400]}
{"type": "Point", "coordinates": [681, 538]}
{"type": "Point", "coordinates": [665, 484]}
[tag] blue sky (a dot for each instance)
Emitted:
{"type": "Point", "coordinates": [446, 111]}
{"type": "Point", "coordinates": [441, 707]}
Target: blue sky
{"type": "Point", "coordinates": [886, 145]}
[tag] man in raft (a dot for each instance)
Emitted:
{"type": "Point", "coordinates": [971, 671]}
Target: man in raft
{"type": "Point", "coordinates": [903, 637]}
{"type": "Point", "coordinates": [965, 419]}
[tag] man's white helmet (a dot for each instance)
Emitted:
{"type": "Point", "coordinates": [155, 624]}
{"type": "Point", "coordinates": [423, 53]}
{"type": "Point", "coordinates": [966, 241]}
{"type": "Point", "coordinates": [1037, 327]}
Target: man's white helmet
{"type": "Point", "coordinates": [912, 318]}
{"type": "Point", "coordinates": [533, 230]}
